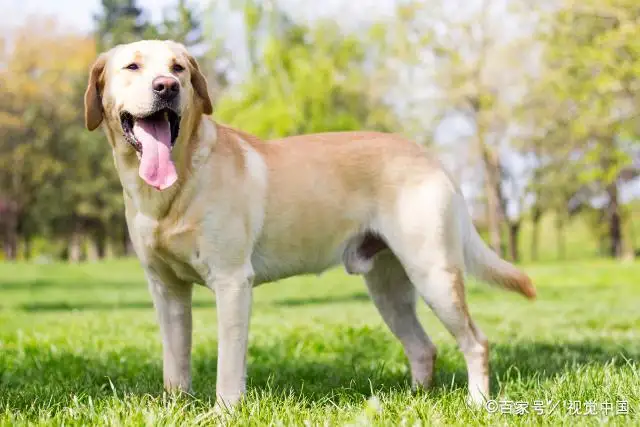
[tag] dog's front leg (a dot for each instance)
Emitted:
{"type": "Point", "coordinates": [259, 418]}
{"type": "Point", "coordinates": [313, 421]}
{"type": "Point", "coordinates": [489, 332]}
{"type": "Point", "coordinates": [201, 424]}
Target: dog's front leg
{"type": "Point", "coordinates": [233, 305]}
{"type": "Point", "coordinates": [173, 309]}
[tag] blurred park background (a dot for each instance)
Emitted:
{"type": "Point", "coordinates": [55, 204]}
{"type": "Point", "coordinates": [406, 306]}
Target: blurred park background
{"type": "Point", "coordinates": [532, 105]}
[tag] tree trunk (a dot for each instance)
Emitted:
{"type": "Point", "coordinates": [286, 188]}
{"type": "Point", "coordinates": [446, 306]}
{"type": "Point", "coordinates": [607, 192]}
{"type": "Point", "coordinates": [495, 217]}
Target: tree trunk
{"type": "Point", "coordinates": [109, 250]}
{"type": "Point", "coordinates": [535, 232]}
{"type": "Point", "coordinates": [11, 244]}
{"type": "Point", "coordinates": [492, 190]}
{"type": "Point", "coordinates": [26, 249]}
{"type": "Point", "coordinates": [75, 243]}
{"type": "Point", "coordinates": [11, 232]}
{"type": "Point", "coordinates": [630, 241]}
{"type": "Point", "coordinates": [514, 234]}
{"type": "Point", "coordinates": [628, 251]}
{"type": "Point", "coordinates": [560, 236]}
{"type": "Point", "coordinates": [97, 242]}
{"type": "Point", "coordinates": [100, 240]}
{"type": "Point", "coordinates": [92, 249]}
{"type": "Point", "coordinates": [615, 221]}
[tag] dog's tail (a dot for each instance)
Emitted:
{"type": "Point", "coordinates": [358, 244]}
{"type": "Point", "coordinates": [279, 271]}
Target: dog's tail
{"type": "Point", "coordinates": [480, 261]}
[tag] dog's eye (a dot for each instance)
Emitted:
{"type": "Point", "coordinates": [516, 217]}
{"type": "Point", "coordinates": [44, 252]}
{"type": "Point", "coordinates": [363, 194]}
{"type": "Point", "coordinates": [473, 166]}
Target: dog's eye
{"type": "Point", "coordinates": [133, 66]}
{"type": "Point", "coordinates": [177, 68]}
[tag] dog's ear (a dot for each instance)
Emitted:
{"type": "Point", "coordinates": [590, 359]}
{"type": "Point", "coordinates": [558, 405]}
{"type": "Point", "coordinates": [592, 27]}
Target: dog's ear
{"type": "Point", "coordinates": [93, 113]}
{"type": "Point", "coordinates": [199, 83]}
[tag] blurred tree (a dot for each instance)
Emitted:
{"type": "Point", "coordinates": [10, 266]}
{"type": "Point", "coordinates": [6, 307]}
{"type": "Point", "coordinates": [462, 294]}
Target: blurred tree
{"type": "Point", "coordinates": [181, 24]}
{"type": "Point", "coordinates": [121, 21]}
{"type": "Point", "coordinates": [563, 101]}
{"type": "Point", "coordinates": [40, 105]}
{"type": "Point", "coordinates": [235, 32]}
{"type": "Point", "coordinates": [593, 61]}
{"type": "Point", "coordinates": [301, 80]}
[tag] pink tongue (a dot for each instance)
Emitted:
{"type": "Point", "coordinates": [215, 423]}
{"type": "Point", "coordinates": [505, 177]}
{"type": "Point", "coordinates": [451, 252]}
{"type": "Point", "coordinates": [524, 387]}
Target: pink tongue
{"type": "Point", "coordinates": [156, 167]}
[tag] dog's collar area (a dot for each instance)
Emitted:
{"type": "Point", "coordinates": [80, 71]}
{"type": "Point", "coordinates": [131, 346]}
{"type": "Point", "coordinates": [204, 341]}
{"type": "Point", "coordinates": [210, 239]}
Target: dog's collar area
{"type": "Point", "coordinates": [127, 122]}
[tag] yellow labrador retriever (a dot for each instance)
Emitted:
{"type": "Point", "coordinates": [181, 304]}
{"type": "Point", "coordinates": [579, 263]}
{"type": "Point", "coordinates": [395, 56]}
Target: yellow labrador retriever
{"type": "Point", "coordinates": [212, 205]}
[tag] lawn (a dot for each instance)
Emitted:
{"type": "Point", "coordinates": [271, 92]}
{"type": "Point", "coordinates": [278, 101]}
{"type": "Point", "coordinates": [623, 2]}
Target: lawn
{"type": "Point", "coordinates": [80, 345]}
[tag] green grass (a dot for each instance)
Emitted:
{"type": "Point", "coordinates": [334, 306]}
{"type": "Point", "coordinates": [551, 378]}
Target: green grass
{"type": "Point", "coordinates": [79, 345]}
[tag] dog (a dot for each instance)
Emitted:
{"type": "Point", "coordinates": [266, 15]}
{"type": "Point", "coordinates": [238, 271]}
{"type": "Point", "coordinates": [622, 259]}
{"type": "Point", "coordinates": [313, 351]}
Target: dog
{"type": "Point", "coordinates": [208, 204]}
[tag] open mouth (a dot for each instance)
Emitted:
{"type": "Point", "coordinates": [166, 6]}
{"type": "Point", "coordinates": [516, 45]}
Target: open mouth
{"type": "Point", "coordinates": [153, 137]}
{"type": "Point", "coordinates": [163, 118]}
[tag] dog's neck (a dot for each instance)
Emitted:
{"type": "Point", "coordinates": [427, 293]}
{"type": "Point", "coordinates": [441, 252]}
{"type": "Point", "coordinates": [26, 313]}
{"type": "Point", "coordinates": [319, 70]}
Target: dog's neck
{"type": "Point", "coordinates": [194, 144]}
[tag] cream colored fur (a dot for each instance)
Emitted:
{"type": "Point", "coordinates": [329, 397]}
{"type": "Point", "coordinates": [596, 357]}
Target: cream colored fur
{"type": "Point", "coordinates": [245, 212]}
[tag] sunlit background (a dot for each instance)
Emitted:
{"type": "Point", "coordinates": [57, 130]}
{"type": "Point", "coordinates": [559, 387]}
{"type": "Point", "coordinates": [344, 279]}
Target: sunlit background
{"type": "Point", "coordinates": [531, 105]}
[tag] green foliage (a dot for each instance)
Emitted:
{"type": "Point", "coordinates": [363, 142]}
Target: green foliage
{"type": "Point", "coordinates": [309, 80]}
{"type": "Point", "coordinates": [181, 24]}
{"type": "Point", "coordinates": [40, 114]}
{"type": "Point", "coordinates": [121, 21]}
{"type": "Point", "coordinates": [593, 60]}
{"type": "Point", "coordinates": [583, 108]}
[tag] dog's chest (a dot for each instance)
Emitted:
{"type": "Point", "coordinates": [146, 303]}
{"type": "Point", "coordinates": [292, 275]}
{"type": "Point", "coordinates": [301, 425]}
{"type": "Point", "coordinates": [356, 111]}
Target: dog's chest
{"type": "Point", "coordinates": [171, 246]}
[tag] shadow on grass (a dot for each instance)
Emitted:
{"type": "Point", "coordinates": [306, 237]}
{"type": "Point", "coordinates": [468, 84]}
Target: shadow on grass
{"type": "Point", "coordinates": [98, 306]}
{"type": "Point", "coordinates": [365, 372]}
{"type": "Point", "coordinates": [345, 372]}
{"type": "Point", "coordinates": [294, 302]}
{"type": "Point", "coordinates": [51, 306]}
{"type": "Point", "coordinates": [27, 285]}
{"type": "Point", "coordinates": [75, 283]}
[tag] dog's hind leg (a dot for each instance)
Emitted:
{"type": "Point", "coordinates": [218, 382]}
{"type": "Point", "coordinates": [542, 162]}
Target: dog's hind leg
{"type": "Point", "coordinates": [395, 298]}
{"type": "Point", "coordinates": [442, 288]}
{"type": "Point", "coordinates": [424, 235]}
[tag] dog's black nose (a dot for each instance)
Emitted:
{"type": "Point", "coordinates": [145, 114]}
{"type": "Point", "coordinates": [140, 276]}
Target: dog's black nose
{"type": "Point", "coordinates": [166, 87]}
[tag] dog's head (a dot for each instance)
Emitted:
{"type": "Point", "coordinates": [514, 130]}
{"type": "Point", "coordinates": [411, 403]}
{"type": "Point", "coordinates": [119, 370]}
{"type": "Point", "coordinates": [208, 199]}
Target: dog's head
{"type": "Point", "coordinates": [145, 91]}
